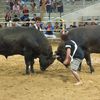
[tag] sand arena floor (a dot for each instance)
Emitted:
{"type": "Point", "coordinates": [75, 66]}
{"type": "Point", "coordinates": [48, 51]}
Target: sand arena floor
{"type": "Point", "coordinates": [54, 84]}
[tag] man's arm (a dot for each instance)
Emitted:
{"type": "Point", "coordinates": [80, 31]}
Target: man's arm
{"type": "Point", "coordinates": [67, 58]}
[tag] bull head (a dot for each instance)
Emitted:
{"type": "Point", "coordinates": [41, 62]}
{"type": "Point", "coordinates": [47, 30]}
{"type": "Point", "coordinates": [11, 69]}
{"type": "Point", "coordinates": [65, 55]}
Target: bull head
{"type": "Point", "coordinates": [61, 52]}
{"type": "Point", "coordinates": [46, 59]}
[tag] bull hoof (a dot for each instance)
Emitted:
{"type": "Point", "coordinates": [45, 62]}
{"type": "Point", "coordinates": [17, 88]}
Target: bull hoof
{"type": "Point", "coordinates": [32, 71]}
{"type": "Point", "coordinates": [42, 69]}
{"type": "Point", "coordinates": [92, 70]}
{"type": "Point", "coordinates": [27, 73]}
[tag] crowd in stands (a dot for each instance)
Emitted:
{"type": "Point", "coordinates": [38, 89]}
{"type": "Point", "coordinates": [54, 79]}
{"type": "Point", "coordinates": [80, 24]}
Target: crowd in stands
{"type": "Point", "coordinates": [24, 7]}
{"type": "Point", "coordinates": [19, 11]}
{"type": "Point", "coordinates": [18, 15]}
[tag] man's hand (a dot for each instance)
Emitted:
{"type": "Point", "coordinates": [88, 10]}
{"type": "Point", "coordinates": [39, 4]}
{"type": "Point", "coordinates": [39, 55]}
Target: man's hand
{"type": "Point", "coordinates": [67, 58]}
{"type": "Point", "coordinates": [67, 61]}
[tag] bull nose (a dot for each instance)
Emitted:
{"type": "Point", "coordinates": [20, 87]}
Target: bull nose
{"type": "Point", "coordinates": [42, 69]}
{"type": "Point", "coordinates": [59, 59]}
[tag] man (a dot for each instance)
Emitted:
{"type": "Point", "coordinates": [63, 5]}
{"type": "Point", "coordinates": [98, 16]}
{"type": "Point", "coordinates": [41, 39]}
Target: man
{"type": "Point", "coordinates": [38, 24]}
{"type": "Point", "coordinates": [34, 17]}
{"type": "Point", "coordinates": [49, 30]}
{"type": "Point", "coordinates": [15, 21]}
{"type": "Point", "coordinates": [74, 56]}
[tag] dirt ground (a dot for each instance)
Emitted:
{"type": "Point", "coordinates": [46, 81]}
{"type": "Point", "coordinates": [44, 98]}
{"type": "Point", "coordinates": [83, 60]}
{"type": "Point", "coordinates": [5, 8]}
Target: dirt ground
{"type": "Point", "coordinates": [57, 83]}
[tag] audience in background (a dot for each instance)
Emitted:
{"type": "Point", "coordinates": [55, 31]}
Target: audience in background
{"type": "Point", "coordinates": [33, 6]}
{"type": "Point", "coordinates": [38, 24]}
{"type": "Point", "coordinates": [34, 17]}
{"type": "Point", "coordinates": [48, 6]}
{"type": "Point", "coordinates": [56, 27]}
{"type": "Point", "coordinates": [15, 21]}
{"type": "Point", "coordinates": [11, 3]}
{"type": "Point", "coordinates": [25, 15]}
{"type": "Point", "coordinates": [73, 25]}
{"type": "Point", "coordinates": [7, 17]}
{"type": "Point", "coordinates": [60, 7]}
{"type": "Point", "coordinates": [25, 10]}
{"type": "Point", "coordinates": [49, 30]}
{"type": "Point", "coordinates": [16, 9]}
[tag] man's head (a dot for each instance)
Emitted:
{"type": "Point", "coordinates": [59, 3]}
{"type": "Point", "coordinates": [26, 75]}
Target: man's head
{"type": "Point", "coordinates": [38, 21]}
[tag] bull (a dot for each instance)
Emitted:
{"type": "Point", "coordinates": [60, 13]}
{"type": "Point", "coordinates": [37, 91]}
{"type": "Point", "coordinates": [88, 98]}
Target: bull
{"type": "Point", "coordinates": [28, 42]}
{"type": "Point", "coordinates": [88, 38]}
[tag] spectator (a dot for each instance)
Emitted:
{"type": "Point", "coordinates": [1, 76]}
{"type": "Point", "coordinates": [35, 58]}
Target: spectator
{"type": "Point", "coordinates": [49, 30]}
{"type": "Point", "coordinates": [25, 16]}
{"type": "Point", "coordinates": [81, 24]}
{"type": "Point", "coordinates": [7, 18]}
{"type": "Point", "coordinates": [7, 5]}
{"type": "Point", "coordinates": [62, 24]}
{"type": "Point", "coordinates": [56, 27]}
{"type": "Point", "coordinates": [15, 20]}
{"type": "Point", "coordinates": [48, 6]}
{"type": "Point", "coordinates": [74, 25]}
{"type": "Point", "coordinates": [11, 3]}
{"type": "Point", "coordinates": [34, 17]}
{"type": "Point", "coordinates": [25, 10]}
{"type": "Point", "coordinates": [19, 3]}
{"type": "Point", "coordinates": [54, 6]}
{"type": "Point", "coordinates": [60, 7]}
{"type": "Point", "coordinates": [33, 5]}
{"type": "Point", "coordinates": [93, 23]}
{"type": "Point", "coordinates": [38, 24]}
{"type": "Point", "coordinates": [25, 13]}
{"type": "Point", "coordinates": [40, 3]}
{"type": "Point", "coordinates": [26, 20]}
{"type": "Point", "coordinates": [23, 2]}
{"type": "Point", "coordinates": [16, 9]}
{"type": "Point", "coordinates": [33, 20]}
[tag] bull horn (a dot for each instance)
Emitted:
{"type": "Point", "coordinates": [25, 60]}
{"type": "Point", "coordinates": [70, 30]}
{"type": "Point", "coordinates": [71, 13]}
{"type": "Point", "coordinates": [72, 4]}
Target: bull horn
{"type": "Point", "coordinates": [55, 56]}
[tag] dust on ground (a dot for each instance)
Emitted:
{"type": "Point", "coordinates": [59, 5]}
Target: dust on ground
{"type": "Point", "coordinates": [57, 83]}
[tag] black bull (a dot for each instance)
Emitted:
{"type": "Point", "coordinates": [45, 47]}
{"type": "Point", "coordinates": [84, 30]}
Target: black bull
{"type": "Point", "coordinates": [28, 42]}
{"type": "Point", "coordinates": [88, 38]}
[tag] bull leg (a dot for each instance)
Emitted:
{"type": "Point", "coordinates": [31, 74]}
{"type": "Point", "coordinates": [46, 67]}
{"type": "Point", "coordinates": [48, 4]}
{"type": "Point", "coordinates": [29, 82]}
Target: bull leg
{"type": "Point", "coordinates": [88, 61]}
{"type": "Point", "coordinates": [28, 61]}
{"type": "Point", "coordinates": [27, 65]}
{"type": "Point", "coordinates": [32, 70]}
